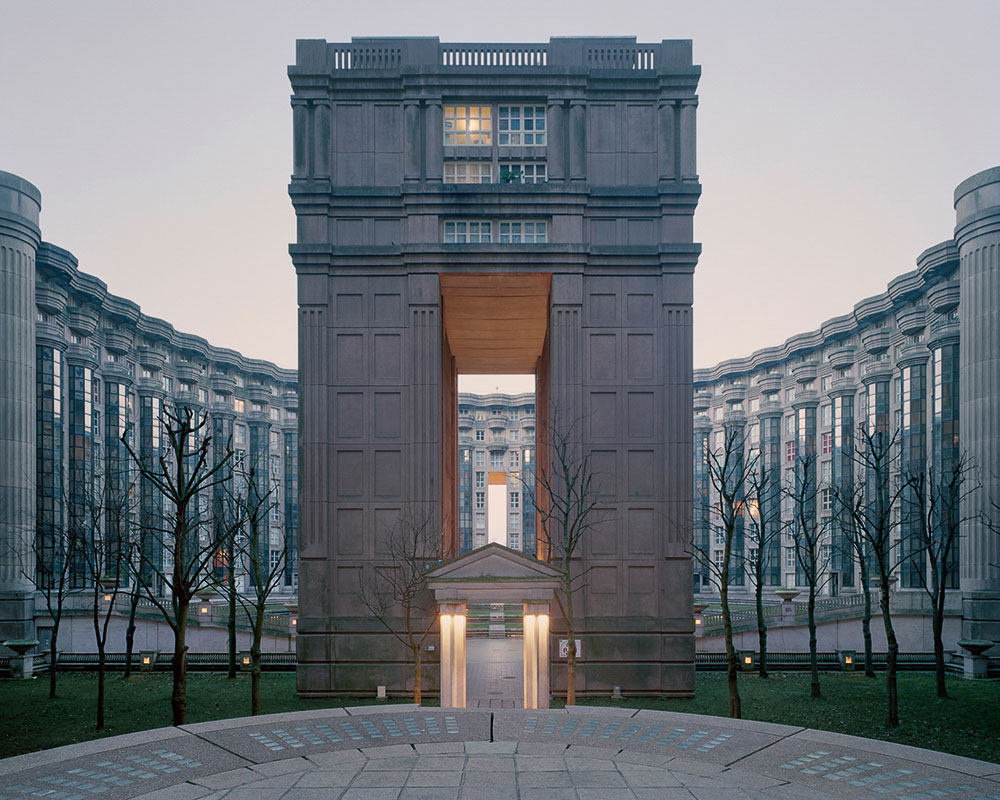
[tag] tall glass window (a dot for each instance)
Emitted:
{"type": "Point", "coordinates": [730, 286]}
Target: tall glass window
{"type": "Point", "coordinates": [49, 466]}
{"type": "Point", "coordinates": [292, 507]}
{"type": "Point", "coordinates": [81, 470]}
{"type": "Point", "coordinates": [805, 480]}
{"type": "Point", "coordinates": [117, 467]}
{"type": "Point", "coordinates": [770, 451]}
{"type": "Point", "coordinates": [842, 479]}
{"type": "Point", "coordinates": [944, 441]}
{"type": "Point", "coordinates": [913, 440]}
{"type": "Point", "coordinates": [150, 499]}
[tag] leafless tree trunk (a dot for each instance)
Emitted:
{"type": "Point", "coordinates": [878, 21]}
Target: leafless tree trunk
{"type": "Point", "coordinates": [935, 499]}
{"type": "Point", "coordinates": [565, 499]}
{"type": "Point", "coordinates": [399, 592]}
{"type": "Point", "coordinates": [765, 529]}
{"type": "Point", "coordinates": [180, 476]}
{"type": "Point", "coordinates": [730, 470]}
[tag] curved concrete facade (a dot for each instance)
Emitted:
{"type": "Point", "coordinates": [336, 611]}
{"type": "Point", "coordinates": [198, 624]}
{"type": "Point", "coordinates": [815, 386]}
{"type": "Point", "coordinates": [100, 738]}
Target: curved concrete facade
{"type": "Point", "coordinates": [20, 205]}
{"type": "Point", "coordinates": [977, 234]}
{"type": "Point", "coordinates": [925, 356]}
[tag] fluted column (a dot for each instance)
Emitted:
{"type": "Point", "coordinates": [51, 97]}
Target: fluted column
{"type": "Point", "coordinates": [578, 140]}
{"type": "Point", "coordinates": [556, 155]}
{"type": "Point", "coordinates": [977, 234]}
{"type": "Point", "coordinates": [689, 160]}
{"type": "Point", "coordinates": [20, 204]}
{"type": "Point", "coordinates": [434, 137]}
{"type": "Point", "coordinates": [667, 141]}
{"type": "Point", "coordinates": [412, 140]}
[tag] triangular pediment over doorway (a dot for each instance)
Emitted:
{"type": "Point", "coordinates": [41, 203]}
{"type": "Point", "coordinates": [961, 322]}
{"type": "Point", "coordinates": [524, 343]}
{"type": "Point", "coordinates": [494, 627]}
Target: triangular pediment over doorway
{"type": "Point", "coordinates": [493, 573]}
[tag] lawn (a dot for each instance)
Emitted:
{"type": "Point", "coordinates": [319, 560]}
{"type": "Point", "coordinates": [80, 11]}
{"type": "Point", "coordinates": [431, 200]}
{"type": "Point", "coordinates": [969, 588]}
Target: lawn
{"type": "Point", "coordinates": [967, 723]}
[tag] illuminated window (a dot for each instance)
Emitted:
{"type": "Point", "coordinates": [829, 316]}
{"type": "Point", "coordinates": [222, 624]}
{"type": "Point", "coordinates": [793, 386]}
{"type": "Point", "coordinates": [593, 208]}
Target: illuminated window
{"type": "Point", "coordinates": [521, 125]}
{"type": "Point", "coordinates": [523, 172]}
{"type": "Point", "coordinates": [468, 172]}
{"type": "Point", "coordinates": [827, 443]}
{"type": "Point", "coordinates": [239, 405]}
{"type": "Point", "coordinates": [468, 125]}
{"type": "Point", "coordinates": [467, 232]}
{"type": "Point", "coordinates": [523, 232]}
{"type": "Point", "coordinates": [789, 451]}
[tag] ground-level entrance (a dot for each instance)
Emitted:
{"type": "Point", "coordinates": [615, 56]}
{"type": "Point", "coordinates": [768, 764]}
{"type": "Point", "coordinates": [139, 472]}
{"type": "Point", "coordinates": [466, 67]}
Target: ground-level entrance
{"type": "Point", "coordinates": [496, 575]}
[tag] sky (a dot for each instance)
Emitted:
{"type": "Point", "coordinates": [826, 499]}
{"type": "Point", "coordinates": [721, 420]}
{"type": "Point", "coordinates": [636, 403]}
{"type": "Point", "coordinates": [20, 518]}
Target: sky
{"type": "Point", "coordinates": [831, 136]}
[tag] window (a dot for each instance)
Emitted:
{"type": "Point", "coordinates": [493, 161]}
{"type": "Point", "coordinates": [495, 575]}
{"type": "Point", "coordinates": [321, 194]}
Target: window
{"type": "Point", "coordinates": [515, 541]}
{"type": "Point", "coordinates": [514, 435]}
{"type": "Point", "coordinates": [275, 414]}
{"type": "Point", "coordinates": [790, 425]}
{"type": "Point", "coordinates": [239, 405]}
{"type": "Point", "coordinates": [480, 458]}
{"type": "Point", "coordinates": [168, 384]}
{"type": "Point", "coordinates": [480, 436]}
{"type": "Point", "coordinates": [523, 172]}
{"type": "Point", "coordinates": [754, 405]}
{"type": "Point", "coordinates": [515, 499]}
{"type": "Point", "coordinates": [718, 557]}
{"type": "Point", "coordinates": [717, 413]}
{"type": "Point", "coordinates": [183, 387]}
{"type": "Point", "coordinates": [789, 557]}
{"type": "Point", "coordinates": [521, 125]}
{"type": "Point", "coordinates": [514, 522]}
{"type": "Point", "coordinates": [496, 460]}
{"type": "Point", "coordinates": [790, 451]}
{"type": "Point", "coordinates": [468, 172]}
{"type": "Point", "coordinates": [468, 125]}
{"type": "Point", "coordinates": [467, 232]}
{"type": "Point", "coordinates": [480, 499]}
{"type": "Point", "coordinates": [825, 500]}
{"type": "Point", "coordinates": [523, 232]}
{"type": "Point", "coordinates": [480, 519]}
{"type": "Point", "coordinates": [826, 415]}
{"type": "Point", "coordinates": [480, 480]}
{"type": "Point", "coordinates": [720, 538]}
{"type": "Point", "coordinates": [789, 395]}
{"type": "Point", "coordinates": [240, 434]}
{"type": "Point", "coordinates": [515, 459]}
{"type": "Point", "coordinates": [824, 383]}
{"type": "Point", "coordinates": [827, 443]}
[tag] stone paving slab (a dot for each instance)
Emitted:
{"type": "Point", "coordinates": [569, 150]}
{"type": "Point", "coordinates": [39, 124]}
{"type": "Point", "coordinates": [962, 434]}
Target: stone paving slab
{"type": "Point", "coordinates": [409, 753]}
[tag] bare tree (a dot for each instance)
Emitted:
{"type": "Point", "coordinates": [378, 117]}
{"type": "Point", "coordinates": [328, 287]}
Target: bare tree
{"type": "Point", "coordinates": [934, 500]}
{"type": "Point", "coordinates": [565, 498]}
{"type": "Point", "coordinates": [180, 475]}
{"type": "Point", "coordinates": [874, 512]}
{"type": "Point", "coordinates": [848, 498]}
{"type": "Point", "coordinates": [109, 516]}
{"type": "Point", "coordinates": [253, 501]}
{"type": "Point", "coordinates": [808, 535]}
{"type": "Point", "coordinates": [398, 593]}
{"type": "Point", "coordinates": [764, 529]}
{"type": "Point", "coordinates": [730, 468]}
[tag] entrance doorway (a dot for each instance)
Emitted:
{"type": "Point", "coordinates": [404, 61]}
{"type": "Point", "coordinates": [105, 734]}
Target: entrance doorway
{"type": "Point", "coordinates": [494, 575]}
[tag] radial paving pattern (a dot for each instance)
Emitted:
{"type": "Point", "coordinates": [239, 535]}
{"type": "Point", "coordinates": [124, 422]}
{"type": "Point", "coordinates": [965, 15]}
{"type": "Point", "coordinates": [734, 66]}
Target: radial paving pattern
{"type": "Point", "coordinates": [407, 752]}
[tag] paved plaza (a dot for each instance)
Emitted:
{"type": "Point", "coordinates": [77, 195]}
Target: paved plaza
{"type": "Point", "coordinates": [404, 752]}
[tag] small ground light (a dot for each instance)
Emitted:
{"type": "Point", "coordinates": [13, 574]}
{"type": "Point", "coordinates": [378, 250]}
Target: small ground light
{"type": "Point", "coordinates": [204, 609]}
{"type": "Point", "coordinates": [846, 660]}
{"type": "Point", "coordinates": [380, 693]}
{"type": "Point", "coordinates": [147, 661]}
{"type": "Point", "coordinates": [746, 658]}
{"type": "Point", "coordinates": [616, 693]}
{"type": "Point", "coordinates": [107, 598]}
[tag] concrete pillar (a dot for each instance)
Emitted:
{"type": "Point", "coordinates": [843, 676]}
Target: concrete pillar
{"type": "Point", "coordinates": [20, 205]}
{"type": "Point", "coordinates": [412, 140]}
{"type": "Point", "coordinates": [666, 139]}
{"type": "Point", "coordinates": [578, 140]}
{"type": "Point", "coordinates": [977, 235]}
{"type": "Point", "coordinates": [536, 655]}
{"type": "Point", "coordinates": [689, 160]}
{"type": "Point", "coordinates": [452, 620]}
{"type": "Point", "coordinates": [321, 139]}
{"type": "Point", "coordinates": [300, 141]}
{"type": "Point", "coordinates": [556, 158]}
{"type": "Point", "coordinates": [434, 137]}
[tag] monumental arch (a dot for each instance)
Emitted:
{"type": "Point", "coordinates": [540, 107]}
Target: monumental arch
{"type": "Point", "coordinates": [489, 208]}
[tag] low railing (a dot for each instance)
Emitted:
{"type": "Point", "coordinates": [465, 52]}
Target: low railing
{"type": "Point", "coordinates": [273, 662]}
{"type": "Point", "coordinates": [494, 55]}
{"type": "Point", "coordinates": [621, 58]}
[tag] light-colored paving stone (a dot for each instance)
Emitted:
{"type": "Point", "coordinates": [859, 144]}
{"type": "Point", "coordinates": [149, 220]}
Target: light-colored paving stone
{"type": "Point", "coordinates": [410, 753]}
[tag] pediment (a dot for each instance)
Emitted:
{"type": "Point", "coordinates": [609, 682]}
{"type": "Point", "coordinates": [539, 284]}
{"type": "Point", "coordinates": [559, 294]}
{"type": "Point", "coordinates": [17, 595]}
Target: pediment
{"type": "Point", "coordinates": [493, 563]}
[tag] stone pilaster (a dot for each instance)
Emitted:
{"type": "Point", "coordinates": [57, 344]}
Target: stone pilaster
{"type": "Point", "coordinates": [20, 204]}
{"type": "Point", "coordinates": [977, 234]}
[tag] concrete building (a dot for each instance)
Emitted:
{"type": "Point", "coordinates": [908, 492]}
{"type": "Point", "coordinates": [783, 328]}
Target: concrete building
{"type": "Point", "coordinates": [488, 208]}
{"type": "Point", "coordinates": [82, 367]}
{"type": "Point", "coordinates": [496, 453]}
{"type": "Point", "coordinates": [922, 363]}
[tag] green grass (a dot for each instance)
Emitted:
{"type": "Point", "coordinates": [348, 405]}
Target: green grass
{"type": "Point", "coordinates": [967, 723]}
